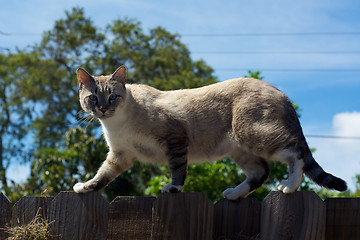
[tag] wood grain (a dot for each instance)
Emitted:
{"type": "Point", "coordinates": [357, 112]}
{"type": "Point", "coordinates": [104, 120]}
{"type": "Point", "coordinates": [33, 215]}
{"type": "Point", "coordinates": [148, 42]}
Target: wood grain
{"type": "Point", "coordinates": [238, 219]}
{"type": "Point", "coordinates": [5, 213]}
{"type": "Point", "coordinates": [130, 218]}
{"type": "Point", "coordinates": [182, 216]}
{"type": "Point", "coordinates": [343, 218]}
{"type": "Point", "coordinates": [79, 216]}
{"type": "Point", "coordinates": [26, 208]}
{"type": "Point", "coordinates": [300, 215]}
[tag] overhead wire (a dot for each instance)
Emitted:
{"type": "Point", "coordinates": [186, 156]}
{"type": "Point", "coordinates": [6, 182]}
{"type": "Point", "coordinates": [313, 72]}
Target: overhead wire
{"type": "Point", "coordinates": [332, 137]}
{"type": "Point", "coordinates": [248, 34]}
{"type": "Point", "coordinates": [278, 52]}
{"type": "Point", "coordinates": [288, 69]}
{"type": "Point", "coordinates": [270, 34]}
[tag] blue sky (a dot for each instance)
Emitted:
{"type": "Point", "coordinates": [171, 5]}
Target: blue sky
{"type": "Point", "coordinates": [329, 99]}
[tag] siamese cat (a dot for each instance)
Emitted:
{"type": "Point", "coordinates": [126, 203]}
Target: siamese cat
{"type": "Point", "coordinates": [246, 119]}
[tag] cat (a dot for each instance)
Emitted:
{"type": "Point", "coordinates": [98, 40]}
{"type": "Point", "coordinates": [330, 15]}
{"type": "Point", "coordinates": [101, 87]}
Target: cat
{"type": "Point", "coordinates": [246, 119]}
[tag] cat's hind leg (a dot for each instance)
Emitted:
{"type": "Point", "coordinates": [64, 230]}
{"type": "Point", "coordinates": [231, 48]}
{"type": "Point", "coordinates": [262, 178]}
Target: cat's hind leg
{"type": "Point", "coordinates": [296, 165]}
{"type": "Point", "coordinates": [256, 170]}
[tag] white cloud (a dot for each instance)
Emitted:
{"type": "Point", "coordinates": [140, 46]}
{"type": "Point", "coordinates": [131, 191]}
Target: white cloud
{"type": "Point", "coordinates": [347, 124]}
{"type": "Point", "coordinates": [340, 156]}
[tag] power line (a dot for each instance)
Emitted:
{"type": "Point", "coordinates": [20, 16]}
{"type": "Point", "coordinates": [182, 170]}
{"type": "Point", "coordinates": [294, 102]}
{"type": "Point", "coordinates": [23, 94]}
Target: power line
{"type": "Point", "coordinates": [276, 52]}
{"type": "Point", "coordinates": [331, 137]}
{"type": "Point", "coordinates": [274, 34]}
{"type": "Point", "coordinates": [288, 69]}
{"type": "Point", "coordinates": [268, 34]}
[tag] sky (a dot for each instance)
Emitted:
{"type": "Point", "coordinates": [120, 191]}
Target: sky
{"type": "Point", "coordinates": [308, 49]}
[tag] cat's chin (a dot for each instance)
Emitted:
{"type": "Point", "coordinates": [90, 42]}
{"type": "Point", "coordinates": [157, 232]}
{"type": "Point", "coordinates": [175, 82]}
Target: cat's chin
{"type": "Point", "coordinates": [104, 116]}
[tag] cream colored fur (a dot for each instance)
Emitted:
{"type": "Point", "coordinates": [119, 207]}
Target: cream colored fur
{"type": "Point", "coordinates": [246, 119]}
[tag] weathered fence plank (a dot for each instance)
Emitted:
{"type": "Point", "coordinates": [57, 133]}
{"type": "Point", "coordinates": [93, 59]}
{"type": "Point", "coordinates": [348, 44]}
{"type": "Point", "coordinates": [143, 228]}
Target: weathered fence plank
{"type": "Point", "coordinates": [300, 215]}
{"type": "Point", "coordinates": [5, 214]}
{"type": "Point", "coordinates": [182, 216]}
{"type": "Point", "coordinates": [343, 218]}
{"type": "Point", "coordinates": [130, 218]}
{"type": "Point", "coordinates": [27, 207]}
{"type": "Point", "coordinates": [238, 219]}
{"type": "Point", "coordinates": [79, 216]}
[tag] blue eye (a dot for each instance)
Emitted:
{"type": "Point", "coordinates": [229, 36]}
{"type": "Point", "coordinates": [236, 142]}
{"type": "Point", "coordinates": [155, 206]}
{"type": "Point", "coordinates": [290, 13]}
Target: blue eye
{"type": "Point", "coordinates": [112, 97]}
{"type": "Point", "coordinates": [93, 98]}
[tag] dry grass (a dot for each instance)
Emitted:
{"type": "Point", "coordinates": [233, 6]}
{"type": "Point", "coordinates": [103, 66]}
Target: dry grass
{"type": "Point", "coordinates": [37, 229]}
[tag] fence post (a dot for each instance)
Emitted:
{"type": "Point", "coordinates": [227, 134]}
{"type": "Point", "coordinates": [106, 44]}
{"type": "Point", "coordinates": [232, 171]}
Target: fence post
{"type": "Point", "coordinates": [238, 219]}
{"type": "Point", "coordinates": [5, 212]}
{"type": "Point", "coordinates": [79, 216]}
{"type": "Point", "coordinates": [300, 215]}
{"type": "Point", "coordinates": [342, 218]}
{"type": "Point", "coordinates": [182, 216]}
{"type": "Point", "coordinates": [26, 208]}
{"type": "Point", "coordinates": [130, 218]}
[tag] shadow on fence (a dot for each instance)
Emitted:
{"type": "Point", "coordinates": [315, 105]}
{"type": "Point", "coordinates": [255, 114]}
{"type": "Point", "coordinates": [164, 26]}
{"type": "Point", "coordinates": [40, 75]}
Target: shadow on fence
{"type": "Point", "coordinates": [302, 215]}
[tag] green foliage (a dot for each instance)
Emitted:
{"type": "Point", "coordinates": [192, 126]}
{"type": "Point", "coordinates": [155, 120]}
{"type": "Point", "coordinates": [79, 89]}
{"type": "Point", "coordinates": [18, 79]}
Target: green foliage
{"type": "Point", "coordinates": [158, 59]}
{"type": "Point", "coordinates": [61, 153]}
{"type": "Point", "coordinates": [325, 193]}
{"type": "Point", "coordinates": [38, 95]}
{"type": "Point", "coordinates": [209, 178]}
{"type": "Point", "coordinates": [254, 74]}
{"type": "Point", "coordinates": [59, 168]}
{"type": "Point", "coordinates": [15, 108]}
{"type": "Point", "coordinates": [357, 193]}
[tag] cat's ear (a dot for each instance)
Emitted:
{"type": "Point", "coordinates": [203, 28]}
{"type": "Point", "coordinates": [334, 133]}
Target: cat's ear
{"type": "Point", "coordinates": [84, 78]}
{"type": "Point", "coordinates": [120, 75]}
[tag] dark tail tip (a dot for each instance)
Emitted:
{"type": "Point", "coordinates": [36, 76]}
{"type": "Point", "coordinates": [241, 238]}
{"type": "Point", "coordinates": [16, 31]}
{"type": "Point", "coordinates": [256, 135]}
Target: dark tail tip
{"type": "Point", "coordinates": [337, 184]}
{"type": "Point", "coordinates": [318, 175]}
{"type": "Point", "coordinates": [329, 181]}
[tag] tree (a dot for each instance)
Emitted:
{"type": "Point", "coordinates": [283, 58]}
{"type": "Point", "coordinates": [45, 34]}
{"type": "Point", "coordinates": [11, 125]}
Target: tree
{"type": "Point", "coordinates": [66, 153]}
{"type": "Point", "coordinates": [16, 109]}
{"type": "Point", "coordinates": [38, 100]}
{"type": "Point", "coordinates": [74, 41]}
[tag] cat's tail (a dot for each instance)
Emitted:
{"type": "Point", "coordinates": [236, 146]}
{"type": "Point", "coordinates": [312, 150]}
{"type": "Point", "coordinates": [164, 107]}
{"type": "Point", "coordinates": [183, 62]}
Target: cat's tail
{"type": "Point", "coordinates": [313, 170]}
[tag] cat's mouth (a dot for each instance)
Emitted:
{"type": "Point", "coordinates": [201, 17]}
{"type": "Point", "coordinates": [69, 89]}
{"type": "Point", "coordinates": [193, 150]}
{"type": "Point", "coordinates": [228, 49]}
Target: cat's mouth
{"type": "Point", "coordinates": [104, 115]}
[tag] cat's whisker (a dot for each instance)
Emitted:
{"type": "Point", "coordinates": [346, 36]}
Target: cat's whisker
{"type": "Point", "coordinates": [84, 118]}
{"type": "Point", "coordinates": [89, 120]}
{"type": "Point", "coordinates": [81, 116]}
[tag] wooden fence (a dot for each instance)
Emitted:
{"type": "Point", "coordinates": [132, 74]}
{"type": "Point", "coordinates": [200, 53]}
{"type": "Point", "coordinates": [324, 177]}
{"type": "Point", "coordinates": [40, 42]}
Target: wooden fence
{"type": "Point", "coordinates": [302, 215]}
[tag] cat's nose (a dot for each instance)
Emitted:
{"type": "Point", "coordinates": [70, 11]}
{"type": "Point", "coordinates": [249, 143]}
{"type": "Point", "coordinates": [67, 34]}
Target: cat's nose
{"type": "Point", "coordinates": [103, 109]}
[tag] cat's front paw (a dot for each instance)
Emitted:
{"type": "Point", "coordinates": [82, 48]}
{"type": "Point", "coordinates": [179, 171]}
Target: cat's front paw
{"type": "Point", "coordinates": [172, 188]}
{"type": "Point", "coordinates": [80, 188]}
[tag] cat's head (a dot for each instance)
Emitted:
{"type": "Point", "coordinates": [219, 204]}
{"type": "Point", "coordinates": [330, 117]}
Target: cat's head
{"type": "Point", "coordinates": [101, 95]}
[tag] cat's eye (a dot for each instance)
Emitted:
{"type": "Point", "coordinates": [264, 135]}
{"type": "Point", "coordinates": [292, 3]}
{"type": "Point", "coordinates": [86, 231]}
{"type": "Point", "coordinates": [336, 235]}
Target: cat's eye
{"type": "Point", "coordinates": [93, 98]}
{"type": "Point", "coordinates": [112, 97]}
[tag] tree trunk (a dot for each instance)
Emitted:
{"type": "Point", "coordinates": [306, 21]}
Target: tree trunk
{"type": "Point", "coordinates": [3, 179]}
